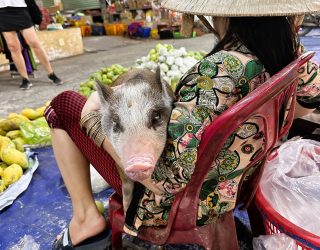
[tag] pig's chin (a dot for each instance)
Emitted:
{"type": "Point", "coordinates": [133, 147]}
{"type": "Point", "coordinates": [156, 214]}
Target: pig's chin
{"type": "Point", "coordinates": [139, 168]}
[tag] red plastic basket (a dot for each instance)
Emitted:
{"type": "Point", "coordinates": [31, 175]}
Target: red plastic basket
{"type": "Point", "coordinates": [275, 223]}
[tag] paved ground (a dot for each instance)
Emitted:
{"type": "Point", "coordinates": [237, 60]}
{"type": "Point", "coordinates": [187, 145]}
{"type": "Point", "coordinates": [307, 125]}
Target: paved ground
{"type": "Point", "coordinates": [100, 52]}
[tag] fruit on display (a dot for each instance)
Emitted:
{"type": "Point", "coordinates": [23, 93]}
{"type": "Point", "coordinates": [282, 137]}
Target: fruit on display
{"type": "Point", "coordinates": [41, 110]}
{"type": "Point", "coordinates": [5, 142]}
{"type": "Point", "coordinates": [100, 206]}
{"type": "Point", "coordinates": [11, 174]}
{"type": "Point", "coordinates": [19, 142]}
{"type": "Point", "coordinates": [173, 62]}
{"type": "Point", "coordinates": [13, 134]}
{"type": "Point", "coordinates": [106, 75]}
{"type": "Point", "coordinates": [12, 162]}
{"type": "Point", "coordinates": [31, 114]}
{"type": "Point", "coordinates": [13, 127]}
{"type": "Point", "coordinates": [12, 122]}
{"type": "Point", "coordinates": [10, 155]}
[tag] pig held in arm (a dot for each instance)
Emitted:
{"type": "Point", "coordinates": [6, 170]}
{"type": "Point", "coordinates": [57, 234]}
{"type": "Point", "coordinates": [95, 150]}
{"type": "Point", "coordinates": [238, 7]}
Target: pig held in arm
{"type": "Point", "coordinates": [134, 118]}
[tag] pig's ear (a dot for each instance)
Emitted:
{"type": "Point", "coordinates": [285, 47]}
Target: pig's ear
{"type": "Point", "coordinates": [166, 90]}
{"type": "Point", "coordinates": [104, 91]}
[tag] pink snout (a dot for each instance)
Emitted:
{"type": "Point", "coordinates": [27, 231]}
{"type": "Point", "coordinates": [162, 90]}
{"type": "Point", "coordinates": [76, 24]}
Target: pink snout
{"type": "Point", "coordinates": [139, 169]}
{"type": "Point", "coordinates": [139, 172]}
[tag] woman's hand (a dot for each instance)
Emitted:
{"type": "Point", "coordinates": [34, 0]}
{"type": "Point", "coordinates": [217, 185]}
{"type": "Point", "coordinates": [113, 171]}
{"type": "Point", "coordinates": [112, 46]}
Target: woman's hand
{"type": "Point", "coordinates": [92, 104]}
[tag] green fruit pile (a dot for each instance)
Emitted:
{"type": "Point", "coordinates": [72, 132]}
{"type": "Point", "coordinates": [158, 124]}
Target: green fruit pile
{"type": "Point", "coordinates": [106, 75]}
{"type": "Point", "coordinates": [198, 55]}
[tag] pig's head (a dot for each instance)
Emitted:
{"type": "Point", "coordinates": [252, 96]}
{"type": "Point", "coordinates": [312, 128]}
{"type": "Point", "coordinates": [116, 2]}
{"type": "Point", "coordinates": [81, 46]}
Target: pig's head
{"type": "Point", "coordinates": [135, 116]}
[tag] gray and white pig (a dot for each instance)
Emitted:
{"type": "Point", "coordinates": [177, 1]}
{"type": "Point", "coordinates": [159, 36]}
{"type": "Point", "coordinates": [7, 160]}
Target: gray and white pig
{"type": "Point", "coordinates": [135, 114]}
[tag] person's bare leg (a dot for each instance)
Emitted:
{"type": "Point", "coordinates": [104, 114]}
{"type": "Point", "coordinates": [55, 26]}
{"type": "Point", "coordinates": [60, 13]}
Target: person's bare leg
{"type": "Point", "coordinates": [15, 50]}
{"type": "Point", "coordinates": [32, 39]}
{"type": "Point", "coordinates": [74, 167]}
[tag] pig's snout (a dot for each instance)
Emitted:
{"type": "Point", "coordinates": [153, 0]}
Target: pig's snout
{"type": "Point", "coordinates": [139, 168]}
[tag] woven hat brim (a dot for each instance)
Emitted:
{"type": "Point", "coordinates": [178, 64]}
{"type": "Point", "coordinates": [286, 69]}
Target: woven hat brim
{"type": "Point", "coordinates": [238, 8]}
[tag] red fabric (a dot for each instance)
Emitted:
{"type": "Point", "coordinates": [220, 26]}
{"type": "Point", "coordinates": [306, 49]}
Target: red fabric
{"type": "Point", "coordinates": [64, 113]}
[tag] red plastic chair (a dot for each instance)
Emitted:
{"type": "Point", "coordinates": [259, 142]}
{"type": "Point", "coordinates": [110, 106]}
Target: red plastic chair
{"type": "Point", "coordinates": [264, 102]}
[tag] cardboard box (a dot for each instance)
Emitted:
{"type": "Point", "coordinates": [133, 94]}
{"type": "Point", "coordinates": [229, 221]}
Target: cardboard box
{"type": "Point", "coordinates": [61, 43]}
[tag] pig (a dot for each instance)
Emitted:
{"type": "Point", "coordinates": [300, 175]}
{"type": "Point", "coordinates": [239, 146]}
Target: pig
{"type": "Point", "coordinates": [135, 114]}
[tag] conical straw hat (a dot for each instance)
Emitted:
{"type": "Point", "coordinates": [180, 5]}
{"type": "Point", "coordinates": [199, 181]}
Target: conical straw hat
{"type": "Point", "coordinates": [234, 8]}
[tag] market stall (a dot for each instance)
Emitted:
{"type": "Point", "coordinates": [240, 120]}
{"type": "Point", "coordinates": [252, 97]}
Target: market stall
{"type": "Point", "coordinates": [135, 18]}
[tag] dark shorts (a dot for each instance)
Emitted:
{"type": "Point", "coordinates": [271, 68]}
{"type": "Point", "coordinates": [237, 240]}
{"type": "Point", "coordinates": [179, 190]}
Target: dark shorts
{"type": "Point", "coordinates": [14, 19]}
{"type": "Point", "coordinates": [64, 113]}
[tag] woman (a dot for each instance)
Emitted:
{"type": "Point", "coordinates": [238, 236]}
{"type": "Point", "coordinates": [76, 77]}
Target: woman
{"type": "Point", "coordinates": [14, 16]}
{"type": "Point", "coordinates": [253, 46]}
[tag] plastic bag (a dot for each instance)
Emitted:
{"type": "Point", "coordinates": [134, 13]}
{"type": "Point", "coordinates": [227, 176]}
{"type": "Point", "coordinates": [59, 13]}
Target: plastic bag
{"type": "Point", "coordinates": [98, 183]}
{"type": "Point", "coordinates": [275, 241]}
{"type": "Point", "coordinates": [291, 183]}
{"type": "Point", "coordinates": [36, 132]}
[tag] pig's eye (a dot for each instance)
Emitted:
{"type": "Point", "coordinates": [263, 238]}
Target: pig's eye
{"type": "Point", "coordinates": [116, 127]}
{"type": "Point", "coordinates": [156, 119]}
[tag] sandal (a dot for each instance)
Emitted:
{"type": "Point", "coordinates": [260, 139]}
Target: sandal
{"type": "Point", "coordinates": [101, 241]}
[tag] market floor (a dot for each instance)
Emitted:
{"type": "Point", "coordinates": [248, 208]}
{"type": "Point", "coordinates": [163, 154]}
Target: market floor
{"type": "Point", "coordinates": [39, 214]}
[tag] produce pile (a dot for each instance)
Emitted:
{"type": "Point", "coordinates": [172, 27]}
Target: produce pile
{"type": "Point", "coordinates": [106, 75]}
{"type": "Point", "coordinates": [15, 131]}
{"type": "Point", "coordinates": [173, 64]}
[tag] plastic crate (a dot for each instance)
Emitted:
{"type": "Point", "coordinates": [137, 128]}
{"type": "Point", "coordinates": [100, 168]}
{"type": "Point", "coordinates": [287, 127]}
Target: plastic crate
{"type": "Point", "coordinates": [274, 223]}
{"type": "Point", "coordinates": [115, 29]}
{"type": "Point", "coordinates": [98, 30]}
{"type": "Point", "coordinates": [111, 29]}
{"type": "Point", "coordinates": [146, 32]}
{"type": "Point", "coordinates": [86, 30]}
{"type": "Point", "coordinates": [154, 33]}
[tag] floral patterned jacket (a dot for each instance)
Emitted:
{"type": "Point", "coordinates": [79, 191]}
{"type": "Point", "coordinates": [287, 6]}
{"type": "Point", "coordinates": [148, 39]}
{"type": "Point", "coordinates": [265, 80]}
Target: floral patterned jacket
{"type": "Point", "coordinates": [205, 91]}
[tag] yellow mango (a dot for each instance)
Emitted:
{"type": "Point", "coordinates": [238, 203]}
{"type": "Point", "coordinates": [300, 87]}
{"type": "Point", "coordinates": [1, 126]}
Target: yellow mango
{"type": "Point", "coordinates": [11, 156]}
{"type": "Point", "coordinates": [30, 113]}
{"type": "Point", "coordinates": [12, 123]}
{"type": "Point", "coordinates": [1, 171]}
{"type": "Point", "coordinates": [41, 110]}
{"type": "Point", "coordinates": [5, 142]}
{"type": "Point", "coordinates": [13, 134]}
{"type": "Point", "coordinates": [11, 174]}
{"type": "Point", "coordinates": [2, 186]}
{"type": "Point", "coordinates": [19, 142]}
{"type": "Point", "coordinates": [12, 115]}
